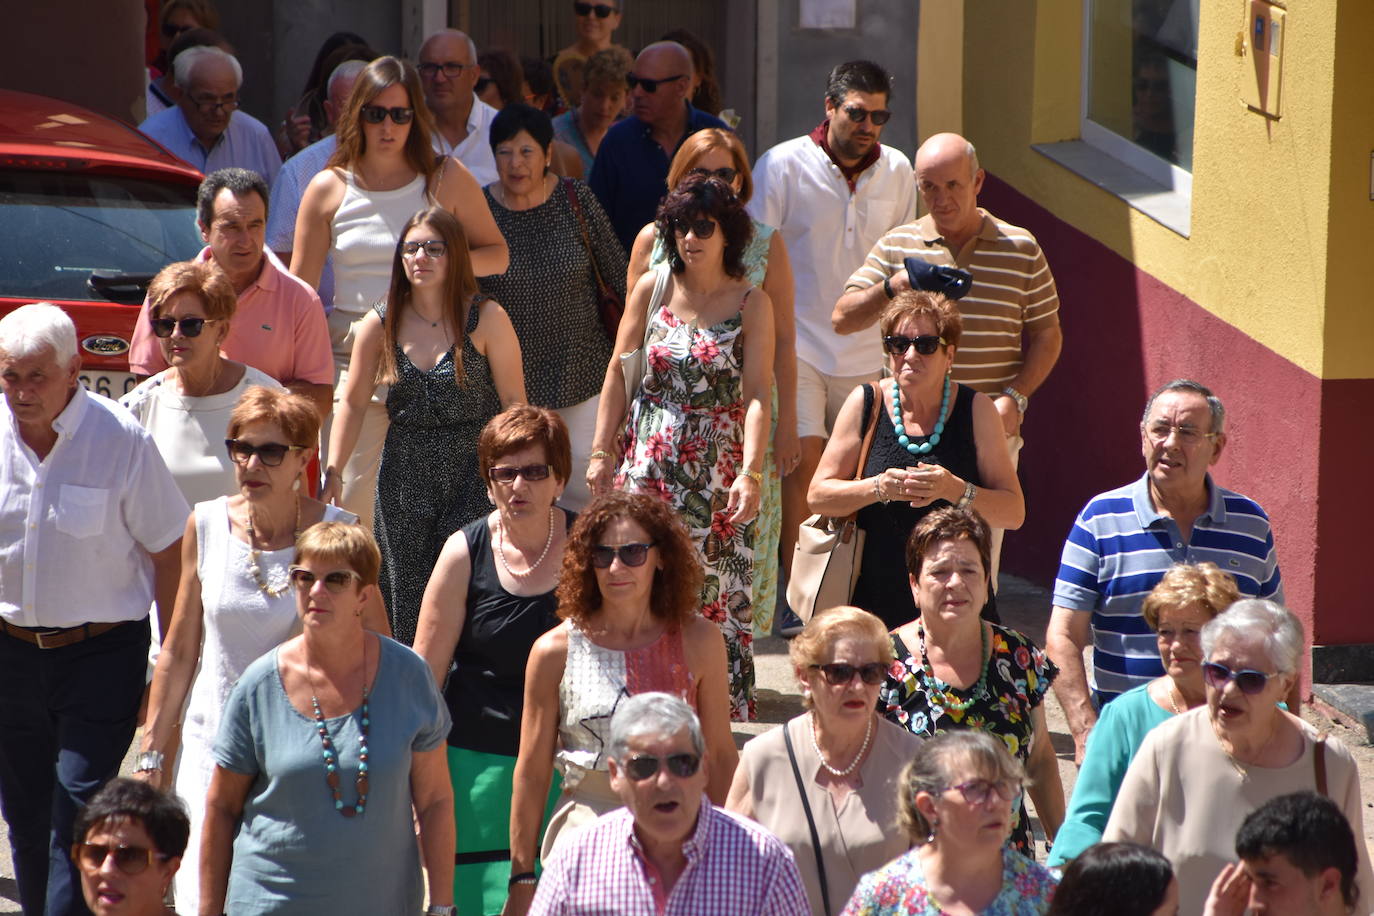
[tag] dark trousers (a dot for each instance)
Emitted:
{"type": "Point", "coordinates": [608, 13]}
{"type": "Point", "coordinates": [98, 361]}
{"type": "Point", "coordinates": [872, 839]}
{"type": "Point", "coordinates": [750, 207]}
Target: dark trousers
{"type": "Point", "coordinates": [67, 717]}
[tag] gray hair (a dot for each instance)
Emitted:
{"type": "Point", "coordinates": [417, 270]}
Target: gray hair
{"type": "Point", "coordinates": [349, 69]}
{"type": "Point", "coordinates": [1187, 384]}
{"type": "Point", "coordinates": [977, 755]}
{"type": "Point", "coordinates": [184, 67]}
{"type": "Point", "coordinates": [657, 714]}
{"type": "Point", "coordinates": [1279, 629]}
{"type": "Point", "coordinates": [472, 45]}
{"type": "Point", "coordinates": [30, 329]}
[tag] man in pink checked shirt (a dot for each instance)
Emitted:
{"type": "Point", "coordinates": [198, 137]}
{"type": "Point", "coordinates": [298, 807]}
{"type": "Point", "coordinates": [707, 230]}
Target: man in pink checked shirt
{"type": "Point", "coordinates": [669, 850]}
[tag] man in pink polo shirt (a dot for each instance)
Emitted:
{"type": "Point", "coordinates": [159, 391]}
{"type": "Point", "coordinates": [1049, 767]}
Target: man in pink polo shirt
{"type": "Point", "coordinates": [279, 327]}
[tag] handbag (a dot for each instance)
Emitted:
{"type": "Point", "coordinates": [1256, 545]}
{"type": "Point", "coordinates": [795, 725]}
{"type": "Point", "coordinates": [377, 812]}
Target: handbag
{"type": "Point", "coordinates": [634, 364]}
{"type": "Point", "coordinates": [825, 562]}
{"type": "Point", "coordinates": [810, 821]}
{"type": "Point", "coordinates": [609, 304]}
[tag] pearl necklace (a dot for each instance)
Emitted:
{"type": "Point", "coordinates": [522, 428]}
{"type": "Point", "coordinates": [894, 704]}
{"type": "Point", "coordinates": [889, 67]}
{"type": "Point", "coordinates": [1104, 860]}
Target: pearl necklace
{"type": "Point", "coordinates": [938, 689]}
{"type": "Point", "coordinates": [921, 448]}
{"type": "Point", "coordinates": [501, 553]}
{"type": "Point", "coordinates": [255, 556]}
{"type": "Point", "coordinates": [868, 736]}
{"type": "Point", "coordinates": [331, 757]}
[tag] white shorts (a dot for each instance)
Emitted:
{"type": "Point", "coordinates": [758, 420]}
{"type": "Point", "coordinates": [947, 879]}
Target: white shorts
{"type": "Point", "coordinates": [820, 397]}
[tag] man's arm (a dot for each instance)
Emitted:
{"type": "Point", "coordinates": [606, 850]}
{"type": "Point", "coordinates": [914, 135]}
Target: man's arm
{"type": "Point", "coordinates": [865, 295]}
{"type": "Point", "coordinates": [166, 576]}
{"type": "Point", "coordinates": [1043, 344]}
{"type": "Point", "coordinates": [1065, 638]}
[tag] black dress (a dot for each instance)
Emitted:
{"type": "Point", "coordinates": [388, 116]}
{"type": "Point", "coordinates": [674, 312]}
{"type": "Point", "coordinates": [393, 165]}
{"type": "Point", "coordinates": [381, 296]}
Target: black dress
{"type": "Point", "coordinates": [883, 588]}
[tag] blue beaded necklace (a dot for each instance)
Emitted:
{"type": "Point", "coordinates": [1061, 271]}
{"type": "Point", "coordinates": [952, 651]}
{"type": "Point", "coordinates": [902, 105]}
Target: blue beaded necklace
{"type": "Point", "coordinates": [918, 448]}
{"type": "Point", "coordinates": [331, 757]}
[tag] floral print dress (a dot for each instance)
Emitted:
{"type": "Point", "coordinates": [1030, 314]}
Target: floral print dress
{"type": "Point", "coordinates": [685, 442]}
{"type": "Point", "coordinates": [899, 889]}
{"type": "Point", "coordinates": [1018, 675]}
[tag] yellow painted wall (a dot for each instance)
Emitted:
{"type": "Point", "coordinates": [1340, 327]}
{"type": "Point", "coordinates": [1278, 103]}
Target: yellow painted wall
{"type": "Point", "coordinates": [1266, 194]}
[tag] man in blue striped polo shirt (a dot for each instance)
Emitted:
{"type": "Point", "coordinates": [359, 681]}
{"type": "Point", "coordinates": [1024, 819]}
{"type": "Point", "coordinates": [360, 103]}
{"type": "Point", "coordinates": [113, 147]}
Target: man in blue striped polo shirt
{"type": "Point", "coordinates": [1125, 539]}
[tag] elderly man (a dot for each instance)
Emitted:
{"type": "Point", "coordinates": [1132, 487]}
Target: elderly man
{"type": "Point", "coordinates": [630, 172]}
{"type": "Point", "coordinates": [448, 72]}
{"type": "Point", "coordinates": [669, 850]}
{"type": "Point", "coordinates": [1125, 539]}
{"type": "Point", "coordinates": [279, 326]}
{"type": "Point", "coordinates": [90, 536]}
{"type": "Point", "coordinates": [204, 128]}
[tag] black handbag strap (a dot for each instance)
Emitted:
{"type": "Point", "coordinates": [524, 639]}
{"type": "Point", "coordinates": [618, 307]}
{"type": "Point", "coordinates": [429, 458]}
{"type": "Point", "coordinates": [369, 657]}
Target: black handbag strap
{"type": "Point", "coordinates": [576, 205]}
{"type": "Point", "coordinates": [810, 821]}
{"type": "Point", "coordinates": [1319, 763]}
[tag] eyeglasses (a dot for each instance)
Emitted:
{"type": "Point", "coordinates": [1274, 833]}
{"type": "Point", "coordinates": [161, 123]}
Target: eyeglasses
{"type": "Point", "coordinates": [508, 473]}
{"type": "Point", "coordinates": [450, 68]}
{"type": "Point", "coordinates": [435, 248]}
{"type": "Point", "coordinates": [925, 344]}
{"type": "Point", "coordinates": [650, 86]}
{"type": "Point", "coordinates": [334, 583]}
{"type": "Point", "coordinates": [601, 10]}
{"type": "Point", "coordinates": [269, 453]}
{"type": "Point", "coordinates": [643, 766]}
{"type": "Point", "coordinates": [726, 174]}
{"type": "Point", "coordinates": [703, 228]}
{"type": "Point", "coordinates": [1248, 680]}
{"type": "Point", "coordinates": [376, 114]}
{"type": "Point", "coordinates": [1187, 435]}
{"type": "Point", "coordinates": [860, 115]}
{"type": "Point", "coordinates": [211, 105]}
{"type": "Point", "coordinates": [979, 791]}
{"type": "Point", "coordinates": [190, 327]}
{"type": "Point", "coordinates": [630, 554]}
{"type": "Point", "coordinates": [839, 673]}
{"type": "Point", "coordinates": [131, 860]}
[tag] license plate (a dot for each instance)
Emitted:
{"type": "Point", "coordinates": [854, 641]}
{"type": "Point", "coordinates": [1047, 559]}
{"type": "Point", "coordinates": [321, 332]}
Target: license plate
{"type": "Point", "coordinates": [112, 385]}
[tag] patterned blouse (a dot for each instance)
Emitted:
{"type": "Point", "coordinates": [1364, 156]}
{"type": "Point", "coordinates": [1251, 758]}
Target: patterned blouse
{"type": "Point", "coordinates": [898, 889]}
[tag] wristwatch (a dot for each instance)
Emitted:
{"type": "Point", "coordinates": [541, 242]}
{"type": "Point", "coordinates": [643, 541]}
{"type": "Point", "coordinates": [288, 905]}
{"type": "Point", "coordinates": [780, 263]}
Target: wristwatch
{"type": "Point", "coordinates": [1022, 402]}
{"type": "Point", "coordinates": [967, 499]}
{"type": "Point", "coordinates": [440, 909]}
{"type": "Point", "coordinates": [148, 760]}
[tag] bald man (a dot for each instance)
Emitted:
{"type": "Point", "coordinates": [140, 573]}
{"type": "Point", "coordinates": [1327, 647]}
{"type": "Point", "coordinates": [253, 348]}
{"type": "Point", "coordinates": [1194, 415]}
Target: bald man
{"type": "Point", "coordinates": [448, 72]}
{"type": "Point", "coordinates": [630, 172]}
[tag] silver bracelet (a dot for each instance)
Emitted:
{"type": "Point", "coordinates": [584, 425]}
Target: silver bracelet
{"type": "Point", "coordinates": [878, 490]}
{"type": "Point", "coordinates": [966, 500]}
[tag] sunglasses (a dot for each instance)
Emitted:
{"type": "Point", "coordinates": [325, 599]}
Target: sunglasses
{"type": "Point", "coordinates": [1248, 681]}
{"type": "Point", "coordinates": [586, 9]}
{"type": "Point", "coordinates": [979, 791]}
{"type": "Point", "coordinates": [839, 673]}
{"type": "Point", "coordinates": [926, 344]}
{"type": "Point", "coordinates": [190, 327]}
{"type": "Point", "coordinates": [435, 248]}
{"type": "Point", "coordinates": [131, 860]}
{"type": "Point", "coordinates": [704, 228]}
{"type": "Point", "coordinates": [644, 766]}
{"type": "Point", "coordinates": [335, 582]}
{"type": "Point", "coordinates": [376, 114]}
{"type": "Point", "coordinates": [650, 86]}
{"type": "Point", "coordinates": [269, 453]}
{"type": "Point", "coordinates": [508, 473]}
{"type": "Point", "coordinates": [726, 174]}
{"type": "Point", "coordinates": [860, 115]}
{"type": "Point", "coordinates": [630, 554]}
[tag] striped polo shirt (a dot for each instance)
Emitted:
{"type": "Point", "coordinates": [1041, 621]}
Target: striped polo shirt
{"type": "Point", "coordinates": [1120, 547]}
{"type": "Point", "coordinates": [1012, 290]}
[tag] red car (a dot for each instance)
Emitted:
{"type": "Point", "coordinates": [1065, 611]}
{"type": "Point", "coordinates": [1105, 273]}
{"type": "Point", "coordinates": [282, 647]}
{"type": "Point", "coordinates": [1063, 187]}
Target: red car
{"type": "Point", "coordinates": [90, 210]}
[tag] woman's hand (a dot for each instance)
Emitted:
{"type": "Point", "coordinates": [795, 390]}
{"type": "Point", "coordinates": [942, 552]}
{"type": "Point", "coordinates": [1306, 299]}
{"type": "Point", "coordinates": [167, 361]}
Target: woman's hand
{"type": "Point", "coordinates": [332, 489]}
{"type": "Point", "coordinates": [925, 483]}
{"type": "Point", "coordinates": [743, 503]}
{"type": "Point", "coordinates": [786, 446]}
{"type": "Point", "coordinates": [518, 900]}
{"type": "Point", "coordinates": [600, 475]}
{"type": "Point", "coordinates": [1230, 892]}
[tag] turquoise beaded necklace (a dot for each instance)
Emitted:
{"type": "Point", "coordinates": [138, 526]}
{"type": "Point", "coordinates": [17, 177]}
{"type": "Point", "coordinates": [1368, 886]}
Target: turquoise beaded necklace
{"type": "Point", "coordinates": [331, 757]}
{"type": "Point", "coordinates": [918, 448]}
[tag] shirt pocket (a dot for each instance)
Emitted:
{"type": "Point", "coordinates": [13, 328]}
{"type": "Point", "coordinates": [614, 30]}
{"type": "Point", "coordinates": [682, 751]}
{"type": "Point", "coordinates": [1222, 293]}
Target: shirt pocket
{"type": "Point", "coordinates": [81, 511]}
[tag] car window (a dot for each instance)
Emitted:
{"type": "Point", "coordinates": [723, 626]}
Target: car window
{"type": "Point", "coordinates": [57, 229]}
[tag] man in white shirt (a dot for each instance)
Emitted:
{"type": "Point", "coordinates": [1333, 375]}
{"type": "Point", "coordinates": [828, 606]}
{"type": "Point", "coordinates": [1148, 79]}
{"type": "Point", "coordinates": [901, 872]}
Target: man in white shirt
{"type": "Point", "coordinates": [90, 536]}
{"type": "Point", "coordinates": [448, 71]}
{"type": "Point", "coordinates": [831, 194]}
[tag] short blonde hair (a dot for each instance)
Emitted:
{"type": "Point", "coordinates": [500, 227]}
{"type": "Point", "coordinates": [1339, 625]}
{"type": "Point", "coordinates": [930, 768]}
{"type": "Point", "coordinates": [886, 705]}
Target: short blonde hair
{"type": "Point", "coordinates": [825, 628]}
{"type": "Point", "coordinates": [1202, 585]}
{"type": "Point", "coordinates": [204, 279]}
{"type": "Point", "coordinates": [296, 414]}
{"type": "Point", "coordinates": [351, 546]}
{"type": "Point", "coordinates": [945, 760]}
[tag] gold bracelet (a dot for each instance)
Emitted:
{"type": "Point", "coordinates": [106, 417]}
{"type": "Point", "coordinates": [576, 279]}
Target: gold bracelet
{"type": "Point", "coordinates": [600, 453]}
{"type": "Point", "coordinates": [756, 476]}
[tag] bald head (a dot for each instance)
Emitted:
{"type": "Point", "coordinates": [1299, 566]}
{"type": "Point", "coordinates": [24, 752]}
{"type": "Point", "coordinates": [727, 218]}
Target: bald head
{"type": "Point", "coordinates": [949, 179]}
{"type": "Point", "coordinates": [667, 66]}
{"type": "Point", "coordinates": [448, 72]}
{"type": "Point", "coordinates": [665, 54]}
{"type": "Point", "coordinates": [946, 148]}
{"type": "Point", "coordinates": [449, 40]}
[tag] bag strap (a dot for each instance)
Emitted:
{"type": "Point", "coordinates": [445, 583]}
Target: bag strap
{"type": "Point", "coordinates": [576, 205]}
{"type": "Point", "coordinates": [1319, 762]}
{"type": "Point", "coordinates": [870, 427]}
{"type": "Point", "coordinates": [810, 821]}
{"type": "Point", "coordinates": [660, 289]}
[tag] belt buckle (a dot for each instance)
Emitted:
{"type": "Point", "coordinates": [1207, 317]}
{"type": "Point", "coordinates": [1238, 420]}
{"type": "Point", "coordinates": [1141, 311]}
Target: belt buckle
{"type": "Point", "coordinates": [39, 637]}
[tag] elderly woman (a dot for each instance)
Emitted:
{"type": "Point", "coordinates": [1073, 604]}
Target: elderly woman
{"type": "Point", "coordinates": [186, 406]}
{"type": "Point", "coordinates": [600, 102]}
{"type": "Point", "coordinates": [1176, 609]}
{"type": "Point", "coordinates": [697, 428]}
{"type": "Point", "coordinates": [329, 742]}
{"type": "Point", "coordinates": [234, 601]}
{"type": "Point", "coordinates": [955, 808]}
{"type": "Point", "coordinates": [936, 443]}
{"type": "Point", "coordinates": [628, 594]}
{"type": "Point", "coordinates": [1222, 761]}
{"type": "Point", "coordinates": [824, 781]}
{"type": "Point", "coordinates": [561, 244]}
{"type": "Point", "coordinates": [129, 840]}
{"type": "Point", "coordinates": [490, 597]}
{"type": "Point", "coordinates": [1124, 879]}
{"type": "Point", "coordinates": [957, 671]}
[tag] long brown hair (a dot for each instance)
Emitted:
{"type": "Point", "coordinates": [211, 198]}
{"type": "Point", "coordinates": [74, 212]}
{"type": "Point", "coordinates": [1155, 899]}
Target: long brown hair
{"type": "Point", "coordinates": [377, 76]}
{"type": "Point", "coordinates": [460, 286]}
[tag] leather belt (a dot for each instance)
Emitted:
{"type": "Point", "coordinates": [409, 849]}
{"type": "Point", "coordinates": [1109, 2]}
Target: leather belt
{"type": "Point", "coordinates": [57, 637]}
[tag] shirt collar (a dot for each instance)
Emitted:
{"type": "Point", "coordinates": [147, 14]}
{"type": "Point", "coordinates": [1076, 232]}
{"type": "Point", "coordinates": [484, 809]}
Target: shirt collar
{"type": "Point", "coordinates": [930, 235]}
{"type": "Point", "coordinates": [1148, 515]}
{"type": "Point", "coordinates": [268, 276]}
{"type": "Point", "coordinates": [66, 423]}
{"type": "Point", "coordinates": [193, 140]}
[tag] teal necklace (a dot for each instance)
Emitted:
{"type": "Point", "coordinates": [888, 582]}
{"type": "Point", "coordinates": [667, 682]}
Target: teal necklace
{"type": "Point", "coordinates": [937, 689]}
{"type": "Point", "coordinates": [918, 448]}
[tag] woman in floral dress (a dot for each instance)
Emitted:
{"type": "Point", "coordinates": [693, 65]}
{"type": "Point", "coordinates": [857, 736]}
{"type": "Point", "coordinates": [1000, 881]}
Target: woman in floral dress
{"type": "Point", "coordinates": [697, 427]}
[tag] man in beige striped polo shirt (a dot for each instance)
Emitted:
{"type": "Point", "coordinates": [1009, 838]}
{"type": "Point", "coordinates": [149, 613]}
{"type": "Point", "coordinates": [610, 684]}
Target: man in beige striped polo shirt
{"type": "Point", "coordinates": [1011, 337]}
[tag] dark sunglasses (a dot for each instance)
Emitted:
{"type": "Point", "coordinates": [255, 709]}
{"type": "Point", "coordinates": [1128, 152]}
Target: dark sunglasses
{"type": "Point", "coordinates": [586, 9]}
{"type": "Point", "coordinates": [334, 582]}
{"type": "Point", "coordinates": [650, 86]}
{"type": "Point", "coordinates": [726, 174]}
{"type": "Point", "coordinates": [435, 248]}
{"type": "Point", "coordinates": [269, 453]}
{"type": "Point", "coordinates": [978, 791]}
{"type": "Point", "coordinates": [508, 473]}
{"type": "Point", "coordinates": [838, 673]}
{"type": "Point", "coordinates": [859, 115]}
{"type": "Point", "coordinates": [630, 554]}
{"type": "Point", "coordinates": [1249, 681]}
{"type": "Point", "coordinates": [704, 228]}
{"type": "Point", "coordinates": [376, 114]}
{"type": "Point", "coordinates": [131, 860]}
{"type": "Point", "coordinates": [926, 344]}
{"type": "Point", "coordinates": [190, 327]}
{"type": "Point", "coordinates": [643, 766]}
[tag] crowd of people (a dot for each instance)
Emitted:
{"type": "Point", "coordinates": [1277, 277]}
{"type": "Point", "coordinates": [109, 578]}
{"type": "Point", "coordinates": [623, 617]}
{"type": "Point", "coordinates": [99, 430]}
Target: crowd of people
{"type": "Point", "coordinates": [456, 489]}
